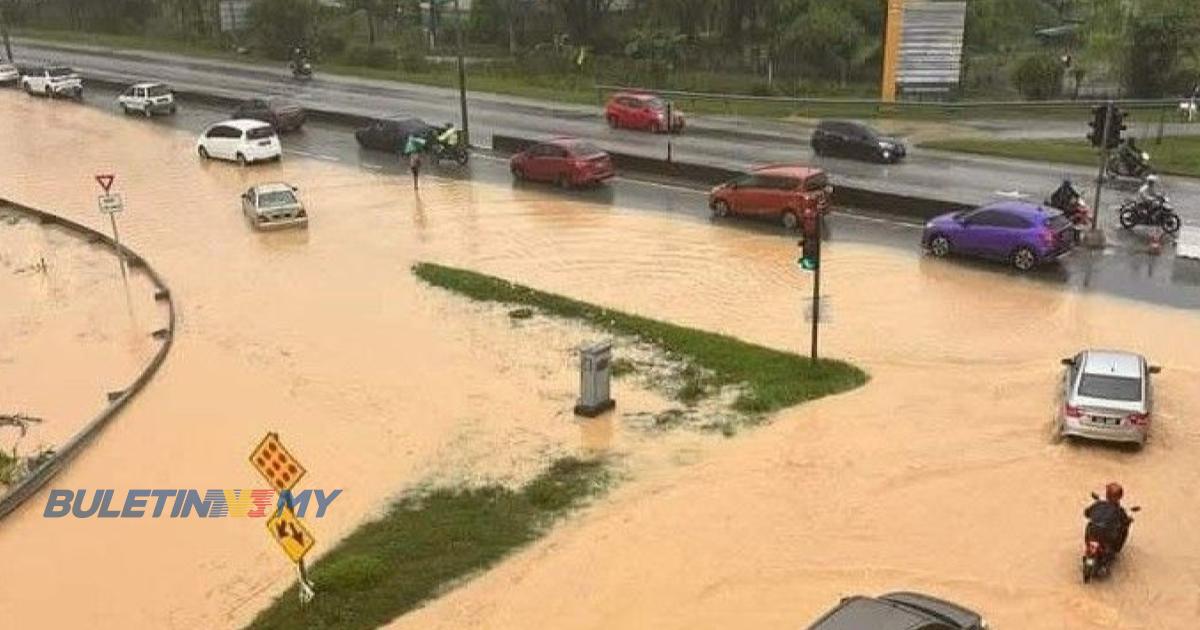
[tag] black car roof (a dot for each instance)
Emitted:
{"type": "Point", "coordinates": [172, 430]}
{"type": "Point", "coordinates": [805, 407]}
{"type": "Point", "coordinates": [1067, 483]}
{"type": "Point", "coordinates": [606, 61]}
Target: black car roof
{"type": "Point", "coordinates": [865, 613]}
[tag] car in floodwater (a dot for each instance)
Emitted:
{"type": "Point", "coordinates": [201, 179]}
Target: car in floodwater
{"type": "Point", "coordinates": [639, 110]}
{"type": "Point", "coordinates": [391, 134]}
{"type": "Point", "coordinates": [274, 206]}
{"type": "Point", "coordinates": [784, 192]}
{"type": "Point", "coordinates": [843, 138]}
{"type": "Point", "coordinates": [1106, 396]}
{"type": "Point", "coordinates": [1023, 234]}
{"type": "Point", "coordinates": [567, 162]}
{"type": "Point", "coordinates": [147, 99]}
{"type": "Point", "coordinates": [899, 611]}
{"type": "Point", "coordinates": [243, 141]}
{"type": "Point", "coordinates": [52, 81]}
{"type": "Point", "coordinates": [284, 114]}
{"type": "Point", "coordinates": [9, 74]}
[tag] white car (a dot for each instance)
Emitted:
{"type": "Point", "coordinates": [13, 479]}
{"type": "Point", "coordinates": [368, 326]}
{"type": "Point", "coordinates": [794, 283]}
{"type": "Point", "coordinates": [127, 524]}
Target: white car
{"type": "Point", "coordinates": [243, 141]}
{"type": "Point", "coordinates": [9, 73]}
{"type": "Point", "coordinates": [273, 206]}
{"type": "Point", "coordinates": [52, 81]}
{"type": "Point", "coordinates": [147, 99]}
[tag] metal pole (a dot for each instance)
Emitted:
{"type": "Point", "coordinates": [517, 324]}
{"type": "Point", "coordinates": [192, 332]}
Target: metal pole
{"type": "Point", "coordinates": [462, 78]}
{"type": "Point", "coordinates": [112, 217]}
{"type": "Point", "coordinates": [816, 297]}
{"type": "Point", "coordinates": [669, 120]}
{"type": "Point", "coordinates": [1095, 236]}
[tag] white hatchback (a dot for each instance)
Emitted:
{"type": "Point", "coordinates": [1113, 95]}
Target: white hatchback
{"type": "Point", "coordinates": [9, 73]}
{"type": "Point", "coordinates": [243, 141]}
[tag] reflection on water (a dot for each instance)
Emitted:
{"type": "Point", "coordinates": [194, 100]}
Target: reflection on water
{"type": "Point", "coordinates": [937, 476]}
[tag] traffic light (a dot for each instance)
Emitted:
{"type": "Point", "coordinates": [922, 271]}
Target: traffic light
{"type": "Point", "coordinates": [1096, 135]}
{"type": "Point", "coordinates": [810, 252]}
{"type": "Point", "coordinates": [1116, 125]}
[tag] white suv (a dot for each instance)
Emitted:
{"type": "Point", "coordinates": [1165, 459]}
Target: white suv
{"type": "Point", "coordinates": [52, 81]}
{"type": "Point", "coordinates": [245, 141]}
{"type": "Point", "coordinates": [148, 99]}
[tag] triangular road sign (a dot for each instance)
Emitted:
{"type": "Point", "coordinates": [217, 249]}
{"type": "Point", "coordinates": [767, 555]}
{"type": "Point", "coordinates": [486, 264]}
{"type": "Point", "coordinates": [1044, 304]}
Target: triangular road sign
{"type": "Point", "coordinates": [105, 181]}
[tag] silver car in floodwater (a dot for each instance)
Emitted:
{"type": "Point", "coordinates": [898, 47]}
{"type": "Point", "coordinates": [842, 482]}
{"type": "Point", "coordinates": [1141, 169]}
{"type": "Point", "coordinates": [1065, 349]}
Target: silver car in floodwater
{"type": "Point", "coordinates": [1107, 396]}
{"type": "Point", "coordinates": [274, 206]}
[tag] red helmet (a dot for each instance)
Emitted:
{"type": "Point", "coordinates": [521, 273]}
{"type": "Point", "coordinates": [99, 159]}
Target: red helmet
{"type": "Point", "coordinates": [1113, 492]}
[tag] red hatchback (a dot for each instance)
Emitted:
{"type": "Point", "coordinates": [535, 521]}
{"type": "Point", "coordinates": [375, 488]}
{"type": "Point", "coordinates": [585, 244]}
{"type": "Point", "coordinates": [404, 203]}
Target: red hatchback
{"type": "Point", "coordinates": [635, 110]}
{"type": "Point", "coordinates": [781, 191]}
{"type": "Point", "coordinates": [564, 161]}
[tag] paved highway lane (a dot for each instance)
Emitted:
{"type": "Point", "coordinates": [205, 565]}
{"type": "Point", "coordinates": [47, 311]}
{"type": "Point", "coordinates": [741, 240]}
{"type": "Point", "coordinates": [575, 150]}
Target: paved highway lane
{"type": "Point", "coordinates": [719, 142]}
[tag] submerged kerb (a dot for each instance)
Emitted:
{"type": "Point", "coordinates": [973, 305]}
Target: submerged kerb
{"type": "Point", "coordinates": [773, 379]}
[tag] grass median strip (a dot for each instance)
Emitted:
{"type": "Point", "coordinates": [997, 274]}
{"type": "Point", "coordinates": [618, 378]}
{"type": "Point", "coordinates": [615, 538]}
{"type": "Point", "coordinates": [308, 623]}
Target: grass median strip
{"type": "Point", "coordinates": [427, 542]}
{"type": "Point", "coordinates": [1176, 155]}
{"type": "Point", "coordinates": [773, 379]}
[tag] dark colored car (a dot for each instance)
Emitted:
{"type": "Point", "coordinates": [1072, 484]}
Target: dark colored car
{"type": "Point", "coordinates": [1024, 234]}
{"type": "Point", "coordinates": [565, 161]}
{"type": "Point", "coordinates": [390, 134]}
{"type": "Point", "coordinates": [854, 140]}
{"type": "Point", "coordinates": [899, 611]}
{"type": "Point", "coordinates": [781, 191]}
{"type": "Point", "coordinates": [282, 113]}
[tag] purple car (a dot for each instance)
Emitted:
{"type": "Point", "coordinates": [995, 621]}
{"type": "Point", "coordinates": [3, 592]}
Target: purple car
{"type": "Point", "coordinates": [1024, 234]}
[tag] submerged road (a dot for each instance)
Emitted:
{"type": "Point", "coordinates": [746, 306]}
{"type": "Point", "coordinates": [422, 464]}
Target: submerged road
{"type": "Point", "coordinates": [714, 141]}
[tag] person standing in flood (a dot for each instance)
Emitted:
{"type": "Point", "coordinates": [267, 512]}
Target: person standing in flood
{"type": "Point", "coordinates": [413, 148]}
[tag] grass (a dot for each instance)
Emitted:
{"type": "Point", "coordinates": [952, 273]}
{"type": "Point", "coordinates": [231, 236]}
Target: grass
{"type": "Point", "coordinates": [773, 379]}
{"type": "Point", "coordinates": [1177, 155]}
{"type": "Point", "coordinates": [426, 543]}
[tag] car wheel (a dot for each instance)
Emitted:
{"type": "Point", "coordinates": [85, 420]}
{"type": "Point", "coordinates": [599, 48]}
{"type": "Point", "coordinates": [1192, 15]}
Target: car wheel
{"type": "Point", "coordinates": [939, 246]}
{"type": "Point", "coordinates": [517, 172]}
{"type": "Point", "coordinates": [818, 150]}
{"type": "Point", "coordinates": [789, 219]}
{"type": "Point", "coordinates": [203, 152]}
{"type": "Point", "coordinates": [146, 111]}
{"type": "Point", "coordinates": [28, 90]}
{"type": "Point", "coordinates": [721, 208]}
{"type": "Point", "coordinates": [563, 182]}
{"type": "Point", "coordinates": [241, 160]}
{"type": "Point", "coordinates": [124, 109]}
{"type": "Point", "coordinates": [612, 121]}
{"type": "Point", "coordinates": [1171, 223]}
{"type": "Point", "coordinates": [172, 110]}
{"type": "Point", "coordinates": [1024, 259]}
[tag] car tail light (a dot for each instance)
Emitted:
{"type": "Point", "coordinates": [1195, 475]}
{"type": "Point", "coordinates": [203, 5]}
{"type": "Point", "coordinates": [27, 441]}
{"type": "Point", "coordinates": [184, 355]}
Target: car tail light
{"type": "Point", "coordinates": [1138, 419]}
{"type": "Point", "coordinates": [1071, 411]}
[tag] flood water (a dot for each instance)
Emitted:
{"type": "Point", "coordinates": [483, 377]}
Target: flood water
{"type": "Point", "coordinates": [940, 475]}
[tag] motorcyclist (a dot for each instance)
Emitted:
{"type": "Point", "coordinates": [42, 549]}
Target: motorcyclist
{"type": "Point", "coordinates": [449, 137]}
{"type": "Point", "coordinates": [1149, 195]}
{"type": "Point", "coordinates": [1108, 522]}
{"type": "Point", "coordinates": [299, 58]}
{"type": "Point", "coordinates": [1065, 196]}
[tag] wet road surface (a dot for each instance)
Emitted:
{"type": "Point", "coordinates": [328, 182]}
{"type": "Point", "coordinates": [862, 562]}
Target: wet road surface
{"type": "Point", "coordinates": [955, 177]}
{"type": "Point", "coordinates": [938, 475]}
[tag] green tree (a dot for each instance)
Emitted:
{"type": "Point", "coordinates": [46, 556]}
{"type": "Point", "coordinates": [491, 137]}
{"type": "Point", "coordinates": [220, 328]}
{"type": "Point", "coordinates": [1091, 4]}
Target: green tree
{"type": "Point", "coordinates": [1039, 77]}
{"type": "Point", "coordinates": [827, 37]}
{"type": "Point", "coordinates": [279, 25]}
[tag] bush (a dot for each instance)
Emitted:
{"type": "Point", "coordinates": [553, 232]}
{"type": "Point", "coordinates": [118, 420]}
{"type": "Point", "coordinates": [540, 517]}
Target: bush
{"type": "Point", "coordinates": [412, 61]}
{"type": "Point", "coordinates": [1039, 77]}
{"type": "Point", "coordinates": [380, 57]}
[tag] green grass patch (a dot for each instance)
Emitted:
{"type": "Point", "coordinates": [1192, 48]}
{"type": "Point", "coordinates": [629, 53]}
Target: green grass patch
{"type": "Point", "coordinates": [1176, 155]}
{"type": "Point", "coordinates": [773, 379]}
{"type": "Point", "coordinates": [427, 542]}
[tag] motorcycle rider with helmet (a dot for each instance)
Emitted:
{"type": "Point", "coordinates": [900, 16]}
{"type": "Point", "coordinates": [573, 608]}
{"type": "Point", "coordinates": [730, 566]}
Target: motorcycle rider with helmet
{"type": "Point", "coordinates": [1065, 196]}
{"type": "Point", "coordinates": [1108, 522]}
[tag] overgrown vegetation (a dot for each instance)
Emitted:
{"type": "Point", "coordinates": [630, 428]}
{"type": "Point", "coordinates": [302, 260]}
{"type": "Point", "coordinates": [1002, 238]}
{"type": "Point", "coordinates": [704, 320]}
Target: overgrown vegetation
{"type": "Point", "coordinates": [426, 542]}
{"type": "Point", "coordinates": [773, 379]}
{"type": "Point", "coordinates": [1177, 155]}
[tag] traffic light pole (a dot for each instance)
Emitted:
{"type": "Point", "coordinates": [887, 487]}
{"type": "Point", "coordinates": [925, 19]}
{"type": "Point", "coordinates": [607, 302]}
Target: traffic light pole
{"type": "Point", "coordinates": [816, 300]}
{"type": "Point", "coordinates": [1095, 236]}
{"type": "Point", "coordinates": [462, 78]}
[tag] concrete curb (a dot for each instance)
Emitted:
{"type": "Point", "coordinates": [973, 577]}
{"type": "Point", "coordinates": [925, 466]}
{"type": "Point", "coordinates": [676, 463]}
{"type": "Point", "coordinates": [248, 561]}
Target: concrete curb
{"type": "Point", "coordinates": [32, 482]}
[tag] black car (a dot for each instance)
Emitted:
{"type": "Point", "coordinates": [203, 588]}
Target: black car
{"type": "Point", "coordinates": [283, 114]}
{"type": "Point", "coordinates": [390, 134]}
{"type": "Point", "coordinates": [899, 611]}
{"type": "Point", "coordinates": [851, 139]}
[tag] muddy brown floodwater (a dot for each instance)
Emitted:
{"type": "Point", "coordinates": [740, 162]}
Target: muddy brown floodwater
{"type": "Point", "coordinates": [940, 475]}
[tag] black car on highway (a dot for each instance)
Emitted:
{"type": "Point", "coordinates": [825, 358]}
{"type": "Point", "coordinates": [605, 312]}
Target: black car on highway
{"type": "Point", "coordinates": [390, 134]}
{"type": "Point", "coordinates": [283, 114]}
{"type": "Point", "coordinates": [899, 611]}
{"type": "Point", "coordinates": [855, 140]}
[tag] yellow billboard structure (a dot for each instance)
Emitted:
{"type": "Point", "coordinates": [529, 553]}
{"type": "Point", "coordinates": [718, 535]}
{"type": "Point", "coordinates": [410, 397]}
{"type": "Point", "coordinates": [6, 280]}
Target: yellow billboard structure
{"type": "Point", "coordinates": [891, 49]}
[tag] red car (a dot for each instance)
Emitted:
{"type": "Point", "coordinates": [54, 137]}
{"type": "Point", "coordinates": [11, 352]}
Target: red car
{"type": "Point", "coordinates": [564, 161]}
{"type": "Point", "coordinates": [782, 191]}
{"type": "Point", "coordinates": [635, 110]}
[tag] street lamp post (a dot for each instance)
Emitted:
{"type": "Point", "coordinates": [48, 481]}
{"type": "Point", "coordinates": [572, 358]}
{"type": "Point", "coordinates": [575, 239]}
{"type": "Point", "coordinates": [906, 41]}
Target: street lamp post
{"type": "Point", "coordinates": [462, 78]}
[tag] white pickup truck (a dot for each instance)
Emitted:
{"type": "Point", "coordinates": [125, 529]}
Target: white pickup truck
{"type": "Point", "coordinates": [52, 81]}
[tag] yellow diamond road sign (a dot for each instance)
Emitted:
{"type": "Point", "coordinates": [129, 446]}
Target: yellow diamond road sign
{"type": "Point", "coordinates": [287, 530]}
{"type": "Point", "coordinates": [276, 464]}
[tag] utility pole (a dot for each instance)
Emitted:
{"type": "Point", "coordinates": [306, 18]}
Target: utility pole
{"type": "Point", "coordinates": [462, 78]}
{"type": "Point", "coordinates": [1101, 136]}
{"type": "Point", "coordinates": [4, 17]}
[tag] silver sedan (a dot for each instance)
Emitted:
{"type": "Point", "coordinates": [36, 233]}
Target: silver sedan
{"type": "Point", "coordinates": [1107, 396]}
{"type": "Point", "coordinates": [273, 206]}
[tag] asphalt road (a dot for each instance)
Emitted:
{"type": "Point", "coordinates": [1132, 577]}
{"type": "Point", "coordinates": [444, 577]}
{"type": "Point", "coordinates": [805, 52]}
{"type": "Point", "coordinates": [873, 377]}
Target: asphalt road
{"type": "Point", "coordinates": [1123, 269]}
{"type": "Point", "coordinates": [715, 141]}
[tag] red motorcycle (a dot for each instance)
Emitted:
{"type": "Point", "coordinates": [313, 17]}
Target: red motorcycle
{"type": "Point", "coordinates": [1097, 556]}
{"type": "Point", "coordinates": [1070, 202]}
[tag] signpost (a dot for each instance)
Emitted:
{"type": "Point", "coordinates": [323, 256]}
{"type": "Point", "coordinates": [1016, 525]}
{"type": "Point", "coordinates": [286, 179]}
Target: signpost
{"type": "Point", "coordinates": [111, 204]}
{"type": "Point", "coordinates": [283, 471]}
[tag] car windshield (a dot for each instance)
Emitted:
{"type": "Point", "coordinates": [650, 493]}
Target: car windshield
{"type": "Point", "coordinates": [1110, 387]}
{"type": "Point", "coordinates": [260, 133]}
{"type": "Point", "coordinates": [60, 72]}
{"type": "Point", "coordinates": [158, 90]}
{"type": "Point", "coordinates": [657, 104]}
{"type": "Point", "coordinates": [585, 149]}
{"type": "Point", "coordinates": [276, 199]}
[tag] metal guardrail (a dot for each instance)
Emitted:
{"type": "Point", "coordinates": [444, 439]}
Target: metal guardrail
{"type": "Point", "coordinates": [32, 482]}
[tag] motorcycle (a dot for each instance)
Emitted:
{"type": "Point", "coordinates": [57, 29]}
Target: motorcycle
{"type": "Point", "coordinates": [1077, 210]}
{"type": "Point", "coordinates": [1156, 213]}
{"type": "Point", "coordinates": [457, 152]}
{"type": "Point", "coordinates": [1097, 557]}
{"type": "Point", "coordinates": [302, 69]}
{"type": "Point", "coordinates": [1128, 161]}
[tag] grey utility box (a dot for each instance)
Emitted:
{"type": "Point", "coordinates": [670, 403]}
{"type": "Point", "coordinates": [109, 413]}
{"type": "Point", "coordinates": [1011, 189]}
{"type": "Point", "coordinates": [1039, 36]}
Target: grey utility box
{"type": "Point", "coordinates": [595, 376]}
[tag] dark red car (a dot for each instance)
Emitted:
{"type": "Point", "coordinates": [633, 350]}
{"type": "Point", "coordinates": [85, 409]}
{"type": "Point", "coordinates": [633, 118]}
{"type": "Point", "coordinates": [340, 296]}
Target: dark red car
{"type": "Point", "coordinates": [781, 191]}
{"type": "Point", "coordinates": [636, 110]}
{"type": "Point", "coordinates": [565, 161]}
